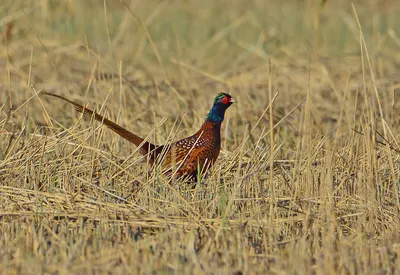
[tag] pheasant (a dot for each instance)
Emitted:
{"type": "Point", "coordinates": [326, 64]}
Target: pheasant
{"type": "Point", "coordinates": [189, 155]}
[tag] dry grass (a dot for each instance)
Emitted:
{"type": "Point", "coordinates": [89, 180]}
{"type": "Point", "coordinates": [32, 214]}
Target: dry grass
{"type": "Point", "coordinates": [308, 179]}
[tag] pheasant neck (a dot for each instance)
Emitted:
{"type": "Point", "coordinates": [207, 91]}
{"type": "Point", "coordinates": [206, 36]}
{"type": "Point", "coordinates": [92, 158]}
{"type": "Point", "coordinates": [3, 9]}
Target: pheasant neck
{"type": "Point", "coordinates": [216, 114]}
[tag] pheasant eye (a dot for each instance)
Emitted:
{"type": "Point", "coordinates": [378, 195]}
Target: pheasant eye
{"type": "Point", "coordinates": [225, 100]}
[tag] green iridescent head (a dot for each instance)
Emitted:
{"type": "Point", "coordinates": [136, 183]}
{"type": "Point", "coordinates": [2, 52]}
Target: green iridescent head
{"type": "Point", "coordinates": [221, 103]}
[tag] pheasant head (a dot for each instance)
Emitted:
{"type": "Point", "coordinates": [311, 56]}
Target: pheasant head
{"type": "Point", "coordinates": [221, 103]}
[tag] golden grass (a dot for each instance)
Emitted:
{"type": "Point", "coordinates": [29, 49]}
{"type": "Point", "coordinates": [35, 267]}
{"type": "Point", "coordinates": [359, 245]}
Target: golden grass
{"type": "Point", "coordinates": [308, 179]}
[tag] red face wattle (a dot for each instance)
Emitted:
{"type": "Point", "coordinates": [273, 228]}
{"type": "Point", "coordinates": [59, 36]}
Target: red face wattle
{"type": "Point", "coordinates": [225, 100]}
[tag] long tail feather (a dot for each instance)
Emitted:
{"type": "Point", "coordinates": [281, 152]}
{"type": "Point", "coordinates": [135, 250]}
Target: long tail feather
{"type": "Point", "coordinates": [144, 146]}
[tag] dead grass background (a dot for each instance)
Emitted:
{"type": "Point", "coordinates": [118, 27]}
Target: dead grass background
{"type": "Point", "coordinates": [308, 179]}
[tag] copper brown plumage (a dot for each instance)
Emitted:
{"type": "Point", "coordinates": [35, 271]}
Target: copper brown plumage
{"type": "Point", "coordinates": [187, 155]}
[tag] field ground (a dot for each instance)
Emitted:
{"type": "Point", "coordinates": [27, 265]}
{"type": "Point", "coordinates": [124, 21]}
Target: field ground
{"type": "Point", "coordinates": [308, 178]}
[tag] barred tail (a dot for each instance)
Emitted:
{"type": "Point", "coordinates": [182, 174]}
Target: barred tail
{"type": "Point", "coordinates": [144, 146]}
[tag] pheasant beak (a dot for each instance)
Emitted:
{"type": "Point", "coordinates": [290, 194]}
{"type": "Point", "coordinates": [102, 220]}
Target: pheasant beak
{"type": "Point", "coordinates": [232, 100]}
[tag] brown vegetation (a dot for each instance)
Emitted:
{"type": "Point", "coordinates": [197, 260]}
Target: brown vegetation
{"type": "Point", "coordinates": [308, 177]}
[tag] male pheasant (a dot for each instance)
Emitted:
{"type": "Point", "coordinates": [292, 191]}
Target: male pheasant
{"type": "Point", "coordinates": [188, 155]}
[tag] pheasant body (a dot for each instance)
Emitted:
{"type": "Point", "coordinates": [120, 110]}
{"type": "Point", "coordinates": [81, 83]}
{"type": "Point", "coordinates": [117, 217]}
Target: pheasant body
{"type": "Point", "coordinates": [200, 150]}
{"type": "Point", "coordinates": [184, 157]}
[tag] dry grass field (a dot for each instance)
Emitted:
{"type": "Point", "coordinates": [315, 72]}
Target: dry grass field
{"type": "Point", "coordinates": [308, 178]}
